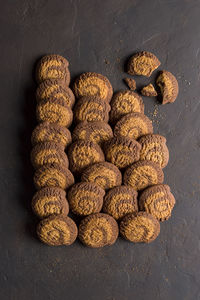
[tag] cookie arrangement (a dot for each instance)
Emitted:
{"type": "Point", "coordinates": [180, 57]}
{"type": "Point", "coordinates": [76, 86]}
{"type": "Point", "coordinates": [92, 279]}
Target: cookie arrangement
{"type": "Point", "coordinates": [108, 169]}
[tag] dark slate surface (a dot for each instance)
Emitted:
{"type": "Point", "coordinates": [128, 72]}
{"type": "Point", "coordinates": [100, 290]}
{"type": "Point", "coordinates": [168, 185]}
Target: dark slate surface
{"type": "Point", "coordinates": [99, 36]}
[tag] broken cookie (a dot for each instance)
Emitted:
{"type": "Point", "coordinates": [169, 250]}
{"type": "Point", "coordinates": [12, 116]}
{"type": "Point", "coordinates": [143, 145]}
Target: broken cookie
{"type": "Point", "coordinates": [149, 91]}
{"type": "Point", "coordinates": [168, 86]}
{"type": "Point", "coordinates": [131, 83]}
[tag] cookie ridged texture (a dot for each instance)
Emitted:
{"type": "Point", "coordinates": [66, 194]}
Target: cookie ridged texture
{"type": "Point", "coordinates": [140, 227]}
{"type": "Point", "coordinates": [104, 174]}
{"type": "Point", "coordinates": [149, 91]}
{"type": "Point", "coordinates": [85, 198]}
{"type": "Point", "coordinates": [142, 174]}
{"type": "Point", "coordinates": [98, 230]}
{"type": "Point", "coordinates": [158, 201]}
{"type": "Point", "coordinates": [50, 201]}
{"type": "Point", "coordinates": [120, 201]}
{"type": "Point", "coordinates": [93, 84]}
{"type": "Point", "coordinates": [57, 230]}
{"type": "Point", "coordinates": [131, 83]}
{"type": "Point", "coordinates": [168, 86]}
{"type": "Point", "coordinates": [154, 148]}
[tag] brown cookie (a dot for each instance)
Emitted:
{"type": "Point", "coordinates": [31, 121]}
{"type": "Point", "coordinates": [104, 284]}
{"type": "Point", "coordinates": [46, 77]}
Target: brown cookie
{"type": "Point", "coordinates": [154, 148]}
{"type": "Point", "coordinates": [98, 230]}
{"type": "Point", "coordinates": [131, 83]}
{"type": "Point", "coordinates": [143, 174]}
{"type": "Point", "coordinates": [104, 174]}
{"type": "Point", "coordinates": [158, 201]}
{"type": "Point", "coordinates": [50, 201]}
{"type": "Point", "coordinates": [85, 198]}
{"type": "Point", "coordinates": [93, 84]}
{"type": "Point", "coordinates": [143, 63]}
{"type": "Point", "coordinates": [133, 125]}
{"type": "Point", "coordinates": [57, 231]}
{"type": "Point", "coordinates": [168, 86]}
{"type": "Point", "coordinates": [149, 91]}
{"type": "Point", "coordinates": [139, 227]}
{"type": "Point", "coordinates": [120, 201]}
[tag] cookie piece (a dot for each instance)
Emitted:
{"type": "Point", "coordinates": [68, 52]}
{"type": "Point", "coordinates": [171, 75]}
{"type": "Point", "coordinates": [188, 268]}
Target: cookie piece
{"type": "Point", "coordinates": [143, 63]}
{"type": "Point", "coordinates": [122, 151]}
{"type": "Point", "coordinates": [104, 174]}
{"type": "Point", "coordinates": [140, 227]}
{"type": "Point", "coordinates": [131, 83]}
{"type": "Point", "coordinates": [82, 154]}
{"type": "Point", "coordinates": [143, 174]}
{"type": "Point", "coordinates": [120, 201]}
{"type": "Point", "coordinates": [53, 175]}
{"type": "Point", "coordinates": [154, 148]}
{"type": "Point", "coordinates": [149, 91]}
{"type": "Point", "coordinates": [57, 231]}
{"type": "Point", "coordinates": [168, 86]}
{"type": "Point", "coordinates": [133, 125]}
{"type": "Point", "coordinates": [158, 201]}
{"type": "Point", "coordinates": [123, 103]}
{"type": "Point", "coordinates": [93, 84]}
{"type": "Point", "coordinates": [96, 132]}
{"type": "Point", "coordinates": [50, 201]}
{"type": "Point", "coordinates": [98, 230]}
{"type": "Point", "coordinates": [85, 198]}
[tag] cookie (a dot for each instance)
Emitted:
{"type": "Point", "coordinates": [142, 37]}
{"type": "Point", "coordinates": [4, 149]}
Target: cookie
{"type": "Point", "coordinates": [133, 125]}
{"type": "Point", "coordinates": [154, 148]}
{"type": "Point", "coordinates": [140, 227]}
{"type": "Point", "coordinates": [53, 175]}
{"type": "Point", "coordinates": [85, 198]}
{"type": "Point", "coordinates": [122, 151]}
{"type": "Point", "coordinates": [98, 230]}
{"type": "Point", "coordinates": [93, 84]}
{"type": "Point", "coordinates": [104, 174]}
{"type": "Point", "coordinates": [149, 91]}
{"type": "Point", "coordinates": [143, 174]}
{"type": "Point", "coordinates": [123, 103]}
{"type": "Point", "coordinates": [158, 201]}
{"type": "Point", "coordinates": [131, 83]}
{"type": "Point", "coordinates": [168, 86]}
{"type": "Point", "coordinates": [50, 201]}
{"type": "Point", "coordinates": [57, 231]}
{"type": "Point", "coordinates": [120, 201]}
{"type": "Point", "coordinates": [82, 154]}
{"type": "Point", "coordinates": [143, 63]}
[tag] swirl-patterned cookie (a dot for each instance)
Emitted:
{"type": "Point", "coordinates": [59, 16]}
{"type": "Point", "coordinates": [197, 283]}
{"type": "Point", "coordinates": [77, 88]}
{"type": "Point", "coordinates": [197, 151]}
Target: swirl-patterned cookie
{"type": "Point", "coordinates": [93, 84]}
{"type": "Point", "coordinates": [143, 174]}
{"type": "Point", "coordinates": [98, 230]}
{"type": "Point", "coordinates": [140, 227]}
{"type": "Point", "coordinates": [149, 91]}
{"type": "Point", "coordinates": [168, 86]}
{"type": "Point", "coordinates": [120, 201]}
{"type": "Point", "coordinates": [57, 230]}
{"type": "Point", "coordinates": [85, 198]}
{"type": "Point", "coordinates": [158, 201]}
{"type": "Point", "coordinates": [104, 174]}
{"type": "Point", "coordinates": [154, 148]}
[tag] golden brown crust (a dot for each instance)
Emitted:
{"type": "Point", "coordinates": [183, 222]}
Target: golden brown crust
{"type": "Point", "coordinates": [131, 83]}
{"type": "Point", "coordinates": [168, 86]}
{"type": "Point", "coordinates": [149, 91]}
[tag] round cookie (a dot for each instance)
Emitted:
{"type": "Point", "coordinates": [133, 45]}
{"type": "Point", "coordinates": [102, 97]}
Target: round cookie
{"type": "Point", "coordinates": [57, 231]}
{"type": "Point", "coordinates": [168, 86]}
{"type": "Point", "coordinates": [98, 230]}
{"type": "Point", "coordinates": [85, 198]}
{"type": "Point", "coordinates": [50, 201]}
{"type": "Point", "coordinates": [120, 201]}
{"type": "Point", "coordinates": [142, 174]}
{"type": "Point", "coordinates": [104, 174]}
{"type": "Point", "coordinates": [82, 154]}
{"type": "Point", "coordinates": [154, 148]}
{"type": "Point", "coordinates": [158, 201]}
{"type": "Point", "coordinates": [93, 84]}
{"type": "Point", "coordinates": [123, 103]}
{"type": "Point", "coordinates": [139, 227]}
{"type": "Point", "coordinates": [133, 125]}
{"type": "Point", "coordinates": [122, 151]}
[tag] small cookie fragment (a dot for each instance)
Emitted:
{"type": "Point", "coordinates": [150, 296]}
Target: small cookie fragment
{"type": "Point", "coordinates": [131, 83]}
{"type": "Point", "coordinates": [133, 125]}
{"type": "Point", "coordinates": [57, 231]}
{"type": "Point", "coordinates": [85, 198]}
{"type": "Point", "coordinates": [143, 174]}
{"type": "Point", "coordinates": [140, 227]}
{"type": "Point", "coordinates": [158, 201]}
{"type": "Point", "coordinates": [98, 230]}
{"type": "Point", "coordinates": [143, 63]}
{"type": "Point", "coordinates": [104, 174]}
{"type": "Point", "coordinates": [149, 91]}
{"type": "Point", "coordinates": [168, 86]}
{"type": "Point", "coordinates": [120, 201]}
{"type": "Point", "coordinates": [93, 84]}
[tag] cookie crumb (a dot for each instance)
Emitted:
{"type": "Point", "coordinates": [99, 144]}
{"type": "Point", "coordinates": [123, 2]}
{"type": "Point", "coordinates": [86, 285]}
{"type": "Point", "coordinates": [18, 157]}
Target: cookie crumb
{"type": "Point", "coordinates": [131, 83]}
{"type": "Point", "coordinates": [149, 91]}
